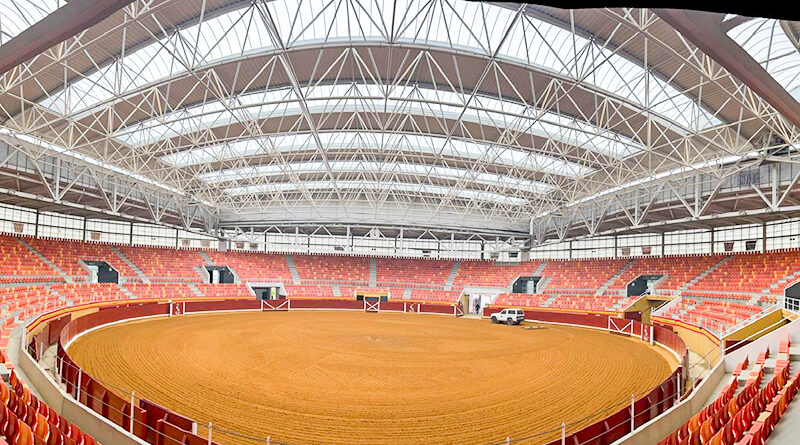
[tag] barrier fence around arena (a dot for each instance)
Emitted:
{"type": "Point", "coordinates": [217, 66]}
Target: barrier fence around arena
{"type": "Point", "coordinates": [160, 426]}
{"type": "Point", "coordinates": [642, 407]}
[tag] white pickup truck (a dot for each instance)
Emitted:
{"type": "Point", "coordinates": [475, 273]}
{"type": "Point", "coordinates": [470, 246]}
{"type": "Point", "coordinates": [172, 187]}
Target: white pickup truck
{"type": "Point", "coordinates": [509, 316]}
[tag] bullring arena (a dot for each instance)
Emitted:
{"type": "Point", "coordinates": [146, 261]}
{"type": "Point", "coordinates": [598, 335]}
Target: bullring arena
{"type": "Point", "coordinates": [329, 377]}
{"type": "Point", "coordinates": [291, 222]}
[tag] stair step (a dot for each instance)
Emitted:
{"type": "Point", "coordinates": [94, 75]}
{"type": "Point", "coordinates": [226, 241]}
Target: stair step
{"type": "Point", "coordinates": [293, 269]}
{"type": "Point", "coordinates": [206, 258]}
{"type": "Point", "coordinates": [130, 264]}
{"type": "Point", "coordinates": [373, 272]}
{"type": "Point", "coordinates": [52, 265]}
{"type": "Point", "coordinates": [614, 278]}
{"type": "Point", "coordinates": [448, 285]}
{"type": "Point", "coordinates": [196, 290]}
{"type": "Point", "coordinates": [703, 274]}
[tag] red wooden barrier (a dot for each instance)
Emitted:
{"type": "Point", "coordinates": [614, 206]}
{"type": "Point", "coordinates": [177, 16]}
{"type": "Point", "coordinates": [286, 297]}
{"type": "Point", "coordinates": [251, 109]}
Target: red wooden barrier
{"type": "Point", "coordinates": [177, 429]}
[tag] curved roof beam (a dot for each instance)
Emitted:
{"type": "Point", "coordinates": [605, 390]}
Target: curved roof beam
{"type": "Point", "coordinates": [498, 183]}
{"type": "Point", "coordinates": [57, 26]}
{"type": "Point", "coordinates": [774, 45]}
{"type": "Point", "coordinates": [401, 188]}
{"type": "Point", "coordinates": [378, 145]}
{"type": "Point", "coordinates": [546, 47]}
{"type": "Point", "coordinates": [404, 100]}
{"type": "Point", "coordinates": [704, 31]}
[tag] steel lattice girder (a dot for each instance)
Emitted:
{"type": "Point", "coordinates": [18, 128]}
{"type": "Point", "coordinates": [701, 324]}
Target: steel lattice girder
{"type": "Point", "coordinates": [471, 75]}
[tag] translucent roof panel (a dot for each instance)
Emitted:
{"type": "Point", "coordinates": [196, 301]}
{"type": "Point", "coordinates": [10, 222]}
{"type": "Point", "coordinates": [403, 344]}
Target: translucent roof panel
{"type": "Point", "coordinates": [470, 27]}
{"type": "Point", "coordinates": [378, 187]}
{"type": "Point", "coordinates": [18, 15]}
{"type": "Point", "coordinates": [379, 168]}
{"type": "Point", "coordinates": [235, 33]}
{"type": "Point", "coordinates": [386, 142]}
{"type": "Point", "coordinates": [768, 44]}
{"type": "Point", "coordinates": [369, 98]}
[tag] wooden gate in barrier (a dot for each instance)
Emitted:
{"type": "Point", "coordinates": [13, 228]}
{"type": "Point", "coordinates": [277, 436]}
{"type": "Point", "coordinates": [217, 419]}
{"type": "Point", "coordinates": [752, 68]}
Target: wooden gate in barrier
{"type": "Point", "coordinates": [372, 306]}
{"type": "Point", "coordinates": [276, 305]}
{"type": "Point", "coordinates": [620, 326]}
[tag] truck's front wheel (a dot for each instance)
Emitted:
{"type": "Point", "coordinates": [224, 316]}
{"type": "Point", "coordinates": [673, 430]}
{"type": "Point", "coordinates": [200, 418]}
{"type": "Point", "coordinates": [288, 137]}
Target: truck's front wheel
{"type": "Point", "coordinates": [494, 320]}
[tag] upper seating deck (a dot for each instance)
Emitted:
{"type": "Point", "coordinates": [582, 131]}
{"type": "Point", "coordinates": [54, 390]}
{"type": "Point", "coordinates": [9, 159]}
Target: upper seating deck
{"type": "Point", "coordinates": [165, 262]}
{"type": "Point", "coordinates": [411, 271]}
{"type": "Point", "coordinates": [679, 270]}
{"type": "Point", "coordinates": [332, 268]}
{"type": "Point", "coordinates": [253, 265]}
{"type": "Point", "coordinates": [17, 260]}
{"type": "Point", "coordinates": [581, 274]}
{"type": "Point", "coordinates": [751, 272]}
{"type": "Point", "coordinates": [491, 274]}
{"type": "Point", "coordinates": [66, 254]}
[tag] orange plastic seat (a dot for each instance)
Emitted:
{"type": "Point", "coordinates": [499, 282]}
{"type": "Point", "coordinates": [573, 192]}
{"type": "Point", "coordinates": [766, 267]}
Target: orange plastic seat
{"type": "Point", "coordinates": [24, 434]}
{"type": "Point", "coordinates": [41, 428]}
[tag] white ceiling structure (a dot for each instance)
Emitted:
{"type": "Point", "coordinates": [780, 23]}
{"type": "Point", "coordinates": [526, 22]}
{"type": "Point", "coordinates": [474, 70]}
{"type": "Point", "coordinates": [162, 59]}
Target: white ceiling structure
{"type": "Point", "coordinates": [505, 117]}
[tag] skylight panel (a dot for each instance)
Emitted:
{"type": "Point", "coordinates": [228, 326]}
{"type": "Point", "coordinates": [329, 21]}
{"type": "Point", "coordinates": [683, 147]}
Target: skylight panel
{"type": "Point", "coordinates": [18, 15]}
{"type": "Point", "coordinates": [375, 186]}
{"type": "Point", "coordinates": [402, 100]}
{"type": "Point", "coordinates": [537, 43]}
{"type": "Point", "coordinates": [465, 26]}
{"type": "Point", "coordinates": [236, 33]}
{"type": "Point", "coordinates": [417, 170]}
{"type": "Point", "coordinates": [768, 44]}
{"type": "Point", "coordinates": [427, 145]}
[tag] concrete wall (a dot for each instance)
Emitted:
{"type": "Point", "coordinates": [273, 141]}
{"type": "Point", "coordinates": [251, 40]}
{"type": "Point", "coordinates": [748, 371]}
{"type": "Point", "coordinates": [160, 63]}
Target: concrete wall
{"type": "Point", "coordinates": [658, 428]}
{"type": "Point", "coordinates": [92, 423]}
{"type": "Point", "coordinates": [699, 344]}
{"type": "Point", "coordinates": [762, 326]}
{"type": "Point", "coordinates": [772, 339]}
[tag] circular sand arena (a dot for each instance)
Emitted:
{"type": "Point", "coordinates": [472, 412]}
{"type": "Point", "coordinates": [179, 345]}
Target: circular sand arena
{"type": "Point", "coordinates": [365, 378]}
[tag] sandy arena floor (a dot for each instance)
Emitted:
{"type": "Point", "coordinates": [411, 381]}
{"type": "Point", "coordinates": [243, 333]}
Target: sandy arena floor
{"type": "Point", "coordinates": [352, 377]}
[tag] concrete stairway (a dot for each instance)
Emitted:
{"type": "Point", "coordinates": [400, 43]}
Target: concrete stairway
{"type": "Point", "coordinates": [703, 274]}
{"type": "Point", "coordinates": [57, 294]}
{"type": "Point", "coordinates": [293, 269]}
{"type": "Point", "coordinates": [125, 291]}
{"type": "Point", "coordinates": [337, 291]}
{"type": "Point", "coordinates": [549, 301]}
{"type": "Point", "coordinates": [52, 265]}
{"type": "Point", "coordinates": [130, 264]}
{"type": "Point", "coordinates": [373, 272]}
{"type": "Point", "coordinates": [448, 285]}
{"type": "Point", "coordinates": [778, 286]}
{"type": "Point", "coordinates": [196, 290]}
{"type": "Point", "coordinates": [540, 270]}
{"type": "Point", "coordinates": [407, 293]}
{"type": "Point", "coordinates": [541, 286]}
{"type": "Point", "coordinates": [614, 278]}
{"type": "Point", "coordinates": [206, 258]}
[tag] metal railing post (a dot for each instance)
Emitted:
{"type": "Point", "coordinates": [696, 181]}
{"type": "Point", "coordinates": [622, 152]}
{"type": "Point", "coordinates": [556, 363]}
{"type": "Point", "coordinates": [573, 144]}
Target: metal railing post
{"type": "Point", "coordinates": [633, 413]}
{"type": "Point", "coordinates": [563, 434]}
{"type": "Point", "coordinates": [209, 433]}
{"type": "Point", "coordinates": [78, 389]}
{"type": "Point", "coordinates": [130, 427]}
